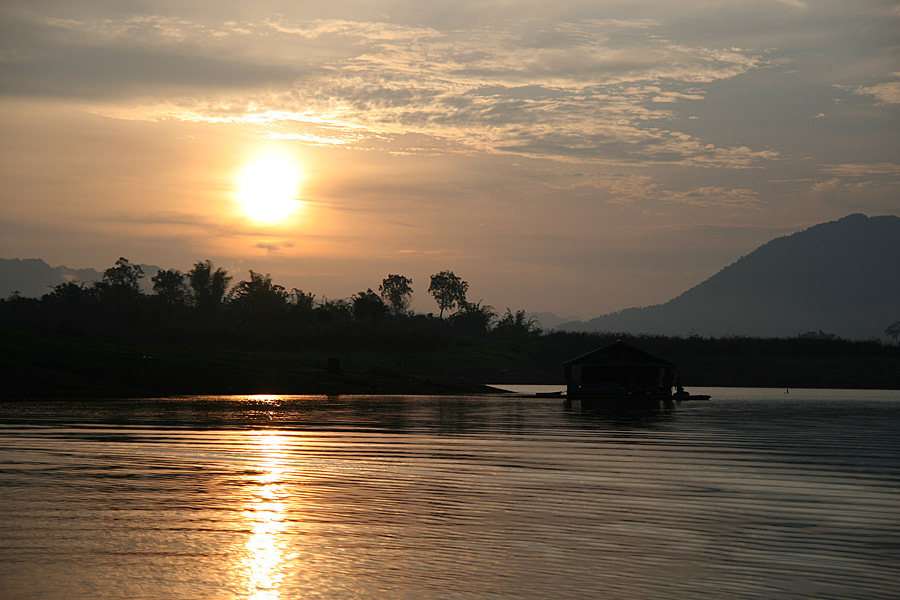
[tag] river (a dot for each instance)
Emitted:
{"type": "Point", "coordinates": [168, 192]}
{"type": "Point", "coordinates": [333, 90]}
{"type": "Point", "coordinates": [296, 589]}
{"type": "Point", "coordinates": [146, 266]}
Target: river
{"type": "Point", "coordinates": [757, 493]}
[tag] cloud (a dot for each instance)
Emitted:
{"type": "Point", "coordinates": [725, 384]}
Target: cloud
{"type": "Point", "coordinates": [886, 93]}
{"type": "Point", "coordinates": [861, 170]}
{"type": "Point", "coordinates": [794, 4]}
{"type": "Point", "coordinates": [273, 248]}
{"type": "Point", "coordinates": [111, 61]}
{"type": "Point", "coordinates": [714, 196]}
{"type": "Point", "coordinates": [572, 90]}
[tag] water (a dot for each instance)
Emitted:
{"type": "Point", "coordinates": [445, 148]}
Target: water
{"type": "Point", "coordinates": [755, 494]}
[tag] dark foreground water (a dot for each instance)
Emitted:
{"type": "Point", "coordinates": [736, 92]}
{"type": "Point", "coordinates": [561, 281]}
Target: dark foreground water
{"type": "Point", "coordinates": [755, 494]}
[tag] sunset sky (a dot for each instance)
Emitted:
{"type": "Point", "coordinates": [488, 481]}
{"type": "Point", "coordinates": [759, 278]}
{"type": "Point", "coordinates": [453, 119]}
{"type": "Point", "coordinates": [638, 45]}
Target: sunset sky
{"type": "Point", "coordinates": [575, 156]}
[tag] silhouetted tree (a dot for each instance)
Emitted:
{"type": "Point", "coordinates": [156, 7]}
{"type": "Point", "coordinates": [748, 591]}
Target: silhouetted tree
{"type": "Point", "coordinates": [517, 324]}
{"type": "Point", "coordinates": [448, 290]}
{"type": "Point", "coordinates": [259, 298]}
{"type": "Point", "coordinates": [209, 287]}
{"type": "Point", "coordinates": [893, 331]}
{"type": "Point", "coordinates": [302, 304]}
{"type": "Point", "coordinates": [70, 306]}
{"type": "Point", "coordinates": [170, 287]}
{"type": "Point", "coordinates": [17, 311]}
{"type": "Point", "coordinates": [367, 306]}
{"type": "Point", "coordinates": [71, 292]}
{"type": "Point", "coordinates": [119, 291]}
{"type": "Point", "coordinates": [124, 276]}
{"type": "Point", "coordinates": [334, 311]}
{"type": "Point", "coordinates": [396, 291]}
{"type": "Point", "coordinates": [817, 335]}
{"type": "Point", "coordinates": [473, 317]}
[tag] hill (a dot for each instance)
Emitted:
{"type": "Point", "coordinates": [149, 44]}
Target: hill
{"type": "Point", "coordinates": [549, 320]}
{"type": "Point", "coordinates": [840, 277]}
{"type": "Point", "coordinates": [32, 277]}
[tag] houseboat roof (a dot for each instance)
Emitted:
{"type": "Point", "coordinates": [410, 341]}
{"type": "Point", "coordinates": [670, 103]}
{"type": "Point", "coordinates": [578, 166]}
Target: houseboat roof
{"type": "Point", "coordinates": [620, 353]}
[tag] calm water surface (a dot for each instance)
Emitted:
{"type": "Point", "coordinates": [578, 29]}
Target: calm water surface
{"type": "Point", "coordinates": [755, 494]}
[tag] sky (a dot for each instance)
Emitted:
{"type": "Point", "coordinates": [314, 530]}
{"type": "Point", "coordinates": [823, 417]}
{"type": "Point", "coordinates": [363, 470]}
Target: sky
{"type": "Point", "coordinates": [575, 156]}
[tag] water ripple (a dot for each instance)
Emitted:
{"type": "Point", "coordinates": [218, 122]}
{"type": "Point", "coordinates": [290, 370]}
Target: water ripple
{"type": "Point", "coordinates": [751, 495]}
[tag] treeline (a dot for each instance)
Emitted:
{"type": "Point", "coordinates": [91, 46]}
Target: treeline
{"type": "Point", "coordinates": [205, 300]}
{"type": "Point", "coordinates": [201, 332]}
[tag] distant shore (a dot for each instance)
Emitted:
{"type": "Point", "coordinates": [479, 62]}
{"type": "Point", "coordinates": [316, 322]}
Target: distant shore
{"type": "Point", "coordinates": [44, 365]}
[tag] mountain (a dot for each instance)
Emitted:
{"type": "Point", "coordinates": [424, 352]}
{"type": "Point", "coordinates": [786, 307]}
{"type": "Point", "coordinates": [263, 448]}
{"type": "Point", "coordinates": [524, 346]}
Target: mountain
{"type": "Point", "coordinates": [840, 277]}
{"type": "Point", "coordinates": [549, 320]}
{"type": "Point", "coordinates": [33, 278]}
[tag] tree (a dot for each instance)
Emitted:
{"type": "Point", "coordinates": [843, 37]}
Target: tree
{"type": "Point", "coordinates": [209, 287]}
{"type": "Point", "coordinates": [71, 306]}
{"type": "Point", "coordinates": [337, 311]}
{"type": "Point", "coordinates": [259, 298]}
{"type": "Point", "coordinates": [473, 317]}
{"type": "Point", "coordinates": [302, 303]}
{"type": "Point", "coordinates": [71, 292]}
{"type": "Point", "coordinates": [396, 291]}
{"type": "Point", "coordinates": [170, 287]}
{"type": "Point", "coordinates": [517, 324]}
{"type": "Point", "coordinates": [367, 306]}
{"type": "Point", "coordinates": [124, 276]}
{"type": "Point", "coordinates": [119, 292]}
{"type": "Point", "coordinates": [893, 331]}
{"type": "Point", "coordinates": [448, 290]}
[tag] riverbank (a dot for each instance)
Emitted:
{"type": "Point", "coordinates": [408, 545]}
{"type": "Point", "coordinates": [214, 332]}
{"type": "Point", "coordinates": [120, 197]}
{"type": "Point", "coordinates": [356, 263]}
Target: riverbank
{"type": "Point", "coordinates": [47, 365]}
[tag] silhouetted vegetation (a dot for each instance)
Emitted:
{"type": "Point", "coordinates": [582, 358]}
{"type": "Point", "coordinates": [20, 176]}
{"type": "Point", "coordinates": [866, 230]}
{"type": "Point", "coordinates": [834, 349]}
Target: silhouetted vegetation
{"type": "Point", "coordinates": [396, 291]}
{"type": "Point", "coordinates": [198, 334]}
{"type": "Point", "coordinates": [893, 331]}
{"type": "Point", "coordinates": [449, 291]}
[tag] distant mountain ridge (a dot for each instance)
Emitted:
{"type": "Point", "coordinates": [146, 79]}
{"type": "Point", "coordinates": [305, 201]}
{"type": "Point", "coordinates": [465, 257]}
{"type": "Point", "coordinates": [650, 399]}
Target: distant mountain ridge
{"type": "Point", "coordinates": [840, 277]}
{"type": "Point", "coordinates": [549, 320]}
{"type": "Point", "coordinates": [32, 277]}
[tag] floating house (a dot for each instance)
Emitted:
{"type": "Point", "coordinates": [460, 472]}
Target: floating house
{"type": "Point", "coordinates": [619, 371]}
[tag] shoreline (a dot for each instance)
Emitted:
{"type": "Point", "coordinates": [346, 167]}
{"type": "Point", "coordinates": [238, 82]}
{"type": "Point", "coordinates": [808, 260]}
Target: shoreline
{"type": "Point", "coordinates": [45, 365]}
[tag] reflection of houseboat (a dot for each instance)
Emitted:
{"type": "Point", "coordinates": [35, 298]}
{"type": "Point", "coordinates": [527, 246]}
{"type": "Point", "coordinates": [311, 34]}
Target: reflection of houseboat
{"type": "Point", "coordinates": [622, 372]}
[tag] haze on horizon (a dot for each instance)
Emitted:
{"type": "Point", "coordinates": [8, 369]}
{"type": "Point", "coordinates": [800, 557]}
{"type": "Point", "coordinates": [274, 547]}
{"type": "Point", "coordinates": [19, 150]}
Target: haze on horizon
{"type": "Point", "coordinates": [575, 157]}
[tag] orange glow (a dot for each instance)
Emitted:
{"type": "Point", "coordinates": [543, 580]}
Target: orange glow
{"type": "Point", "coordinates": [268, 187]}
{"type": "Point", "coordinates": [265, 559]}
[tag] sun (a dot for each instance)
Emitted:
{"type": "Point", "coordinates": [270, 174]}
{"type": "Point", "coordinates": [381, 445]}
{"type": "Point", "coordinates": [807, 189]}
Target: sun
{"type": "Point", "coordinates": [268, 188]}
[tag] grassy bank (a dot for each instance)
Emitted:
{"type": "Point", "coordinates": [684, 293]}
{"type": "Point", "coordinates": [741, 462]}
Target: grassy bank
{"type": "Point", "coordinates": [377, 362]}
{"type": "Point", "coordinates": [45, 365]}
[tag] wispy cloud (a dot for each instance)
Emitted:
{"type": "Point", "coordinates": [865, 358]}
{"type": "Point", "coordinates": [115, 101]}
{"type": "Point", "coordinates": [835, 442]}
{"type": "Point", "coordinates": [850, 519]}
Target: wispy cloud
{"type": "Point", "coordinates": [714, 196]}
{"type": "Point", "coordinates": [586, 90]}
{"type": "Point", "coordinates": [887, 92]}
{"type": "Point", "coordinates": [861, 170]}
{"type": "Point", "coordinates": [794, 4]}
{"type": "Point", "coordinates": [274, 247]}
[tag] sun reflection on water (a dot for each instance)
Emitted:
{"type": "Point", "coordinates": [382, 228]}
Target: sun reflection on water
{"type": "Point", "coordinates": [265, 560]}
